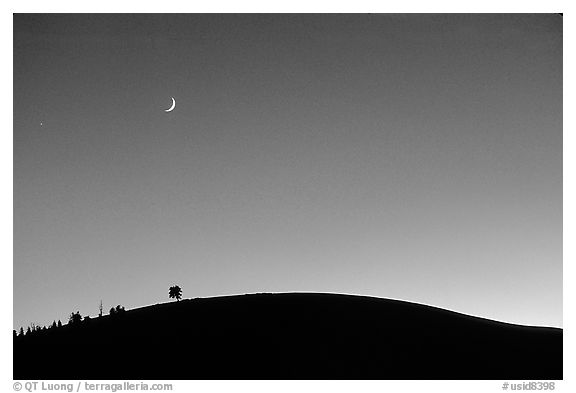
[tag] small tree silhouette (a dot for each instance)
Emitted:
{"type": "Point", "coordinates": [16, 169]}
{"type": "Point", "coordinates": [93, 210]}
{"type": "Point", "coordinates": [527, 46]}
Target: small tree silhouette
{"type": "Point", "coordinates": [21, 332]}
{"type": "Point", "coordinates": [75, 318]}
{"type": "Point", "coordinates": [175, 292]}
{"type": "Point", "coordinates": [117, 310]}
{"type": "Point", "coordinates": [59, 324]}
{"type": "Point", "coordinates": [53, 325]}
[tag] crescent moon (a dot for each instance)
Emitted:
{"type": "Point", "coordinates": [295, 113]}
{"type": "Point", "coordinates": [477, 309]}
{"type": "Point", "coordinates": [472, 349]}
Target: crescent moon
{"type": "Point", "coordinates": [172, 107]}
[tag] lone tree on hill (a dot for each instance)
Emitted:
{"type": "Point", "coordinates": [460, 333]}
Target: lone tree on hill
{"type": "Point", "coordinates": [175, 293]}
{"type": "Point", "coordinates": [75, 318]}
{"type": "Point", "coordinates": [117, 310]}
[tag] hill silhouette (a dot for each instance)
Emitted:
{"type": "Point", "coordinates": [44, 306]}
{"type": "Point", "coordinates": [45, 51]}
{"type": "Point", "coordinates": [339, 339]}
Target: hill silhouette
{"type": "Point", "coordinates": [290, 336]}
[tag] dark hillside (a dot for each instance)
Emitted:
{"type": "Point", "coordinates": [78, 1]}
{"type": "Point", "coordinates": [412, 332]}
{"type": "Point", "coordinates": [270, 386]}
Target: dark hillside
{"type": "Point", "coordinates": [290, 336]}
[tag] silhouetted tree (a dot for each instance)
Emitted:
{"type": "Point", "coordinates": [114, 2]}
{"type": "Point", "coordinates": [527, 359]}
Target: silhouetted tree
{"type": "Point", "coordinates": [21, 332]}
{"type": "Point", "coordinates": [75, 318]}
{"type": "Point", "coordinates": [28, 331]}
{"type": "Point", "coordinates": [34, 328]}
{"type": "Point", "coordinates": [100, 310]}
{"type": "Point", "coordinates": [117, 310]}
{"type": "Point", "coordinates": [175, 292]}
{"type": "Point", "coordinates": [59, 324]}
{"type": "Point", "coordinates": [53, 325]}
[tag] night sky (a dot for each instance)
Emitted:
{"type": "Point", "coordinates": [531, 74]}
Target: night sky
{"type": "Point", "coordinates": [414, 157]}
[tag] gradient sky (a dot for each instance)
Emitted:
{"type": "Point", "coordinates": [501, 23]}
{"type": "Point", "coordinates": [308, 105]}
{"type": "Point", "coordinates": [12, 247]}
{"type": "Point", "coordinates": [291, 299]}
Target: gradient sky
{"type": "Point", "coordinates": [414, 157]}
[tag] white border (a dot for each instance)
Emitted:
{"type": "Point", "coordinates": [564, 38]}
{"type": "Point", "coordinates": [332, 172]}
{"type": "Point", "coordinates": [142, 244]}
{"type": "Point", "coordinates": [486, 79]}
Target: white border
{"type": "Point", "coordinates": [299, 6]}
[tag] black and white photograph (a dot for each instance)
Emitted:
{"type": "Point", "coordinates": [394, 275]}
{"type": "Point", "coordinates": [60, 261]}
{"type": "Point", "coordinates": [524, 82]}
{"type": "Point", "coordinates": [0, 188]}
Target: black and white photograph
{"type": "Point", "coordinates": [288, 196]}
